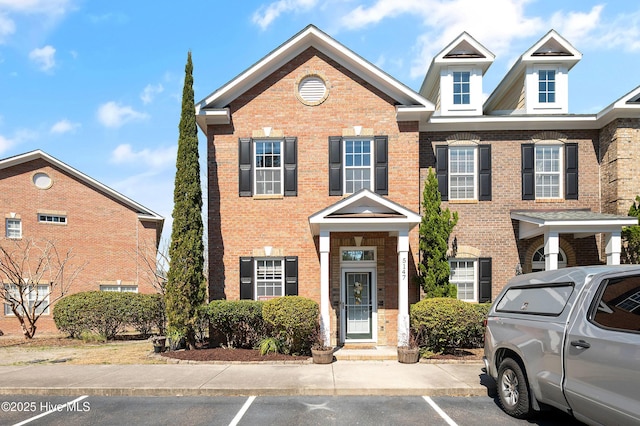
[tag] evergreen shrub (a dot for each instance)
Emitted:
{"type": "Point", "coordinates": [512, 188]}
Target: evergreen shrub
{"type": "Point", "coordinates": [445, 324]}
{"type": "Point", "coordinates": [239, 321]}
{"type": "Point", "coordinates": [294, 321]}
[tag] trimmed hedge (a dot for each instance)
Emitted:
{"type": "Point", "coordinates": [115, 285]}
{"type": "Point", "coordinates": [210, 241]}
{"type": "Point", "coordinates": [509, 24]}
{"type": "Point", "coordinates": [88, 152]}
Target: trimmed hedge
{"type": "Point", "coordinates": [445, 324]}
{"type": "Point", "coordinates": [239, 321]}
{"type": "Point", "coordinates": [108, 313]}
{"type": "Point", "coordinates": [293, 320]}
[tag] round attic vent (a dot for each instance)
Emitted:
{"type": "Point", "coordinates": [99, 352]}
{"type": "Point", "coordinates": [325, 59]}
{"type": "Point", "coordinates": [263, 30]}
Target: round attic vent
{"type": "Point", "coordinates": [312, 90]}
{"type": "Point", "coordinates": [42, 180]}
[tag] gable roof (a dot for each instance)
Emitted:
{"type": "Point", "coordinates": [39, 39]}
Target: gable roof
{"type": "Point", "coordinates": [143, 212]}
{"type": "Point", "coordinates": [364, 211]}
{"type": "Point", "coordinates": [464, 50]}
{"type": "Point", "coordinates": [213, 109]}
{"type": "Point", "coordinates": [552, 48]}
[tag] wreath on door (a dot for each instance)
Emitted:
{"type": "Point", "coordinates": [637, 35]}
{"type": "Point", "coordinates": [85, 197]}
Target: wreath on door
{"type": "Point", "coordinates": [357, 292]}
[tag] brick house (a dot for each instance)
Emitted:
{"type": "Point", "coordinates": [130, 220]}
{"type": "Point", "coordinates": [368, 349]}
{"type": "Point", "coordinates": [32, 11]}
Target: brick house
{"type": "Point", "coordinates": [44, 198]}
{"type": "Point", "coordinates": [316, 163]}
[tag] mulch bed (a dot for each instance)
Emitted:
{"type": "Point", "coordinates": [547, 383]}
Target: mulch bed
{"type": "Point", "coordinates": [230, 355]}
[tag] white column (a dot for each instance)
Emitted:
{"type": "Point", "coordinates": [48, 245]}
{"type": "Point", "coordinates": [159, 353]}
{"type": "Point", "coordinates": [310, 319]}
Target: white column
{"type": "Point", "coordinates": [325, 319]}
{"type": "Point", "coordinates": [551, 249]}
{"type": "Point", "coordinates": [403, 288]}
{"type": "Point", "coordinates": [613, 248]}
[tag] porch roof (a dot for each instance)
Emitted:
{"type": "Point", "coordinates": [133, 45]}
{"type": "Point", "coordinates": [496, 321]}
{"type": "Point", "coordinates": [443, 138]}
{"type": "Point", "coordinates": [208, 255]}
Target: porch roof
{"type": "Point", "coordinates": [581, 223]}
{"type": "Point", "coordinates": [361, 212]}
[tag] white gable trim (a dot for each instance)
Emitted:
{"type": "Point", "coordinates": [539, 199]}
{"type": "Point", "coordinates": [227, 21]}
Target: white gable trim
{"type": "Point", "coordinates": [143, 212]}
{"type": "Point", "coordinates": [361, 212]}
{"type": "Point", "coordinates": [309, 37]}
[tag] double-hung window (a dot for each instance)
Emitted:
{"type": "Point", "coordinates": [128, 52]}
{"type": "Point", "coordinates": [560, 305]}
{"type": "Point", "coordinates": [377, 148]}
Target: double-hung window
{"type": "Point", "coordinates": [546, 86]}
{"type": "Point", "coordinates": [268, 167]}
{"type": "Point", "coordinates": [32, 295]}
{"type": "Point", "coordinates": [463, 275]}
{"type": "Point", "coordinates": [269, 278]}
{"type": "Point", "coordinates": [13, 228]}
{"type": "Point", "coordinates": [357, 165]}
{"type": "Point", "coordinates": [462, 173]}
{"type": "Point", "coordinates": [461, 88]}
{"type": "Point", "coordinates": [548, 171]}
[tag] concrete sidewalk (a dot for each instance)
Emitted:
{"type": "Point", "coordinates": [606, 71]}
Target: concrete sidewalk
{"type": "Point", "coordinates": [338, 378]}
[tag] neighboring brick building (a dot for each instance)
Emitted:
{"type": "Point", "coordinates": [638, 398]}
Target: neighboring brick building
{"type": "Point", "coordinates": [41, 198]}
{"type": "Point", "coordinates": [317, 161]}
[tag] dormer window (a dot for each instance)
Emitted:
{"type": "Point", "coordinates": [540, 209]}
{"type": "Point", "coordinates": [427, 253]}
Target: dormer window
{"type": "Point", "coordinates": [461, 88]}
{"type": "Point", "coordinates": [546, 86]}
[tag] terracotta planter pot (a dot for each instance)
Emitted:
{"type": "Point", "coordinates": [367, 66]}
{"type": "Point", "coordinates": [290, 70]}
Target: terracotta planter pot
{"type": "Point", "coordinates": [408, 355]}
{"type": "Point", "coordinates": [322, 356]}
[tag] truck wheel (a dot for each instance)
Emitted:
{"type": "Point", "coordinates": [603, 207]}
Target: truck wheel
{"type": "Point", "coordinates": [513, 390]}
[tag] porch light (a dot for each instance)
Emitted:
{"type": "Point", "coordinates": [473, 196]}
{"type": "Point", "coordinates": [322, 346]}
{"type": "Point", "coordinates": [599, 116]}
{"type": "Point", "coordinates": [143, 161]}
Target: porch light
{"type": "Point", "coordinates": [518, 269]}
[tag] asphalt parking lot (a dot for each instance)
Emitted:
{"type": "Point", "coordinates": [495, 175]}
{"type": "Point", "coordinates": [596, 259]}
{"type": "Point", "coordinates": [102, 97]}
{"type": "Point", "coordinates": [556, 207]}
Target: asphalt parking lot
{"type": "Point", "coordinates": [264, 410]}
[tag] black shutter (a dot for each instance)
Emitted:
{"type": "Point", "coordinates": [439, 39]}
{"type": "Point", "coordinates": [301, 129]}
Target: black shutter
{"type": "Point", "coordinates": [484, 284]}
{"type": "Point", "coordinates": [381, 165]}
{"type": "Point", "coordinates": [484, 173]}
{"type": "Point", "coordinates": [290, 167]}
{"type": "Point", "coordinates": [291, 276]}
{"type": "Point", "coordinates": [335, 165]}
{"type": "Point", "coordinates": [245, 173]}
{"type": "Point", "coordinates": [528, 173]}
{"type": "Point", "coordinates": [246, 278]}
{"type": "Point", "coordinates": [571, 171]}
{"type": "Point", "coordinates": [442, 171]}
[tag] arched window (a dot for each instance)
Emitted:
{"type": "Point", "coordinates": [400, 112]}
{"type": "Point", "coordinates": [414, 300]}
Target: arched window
{"type": "Point", "coordinates": [537, 261]}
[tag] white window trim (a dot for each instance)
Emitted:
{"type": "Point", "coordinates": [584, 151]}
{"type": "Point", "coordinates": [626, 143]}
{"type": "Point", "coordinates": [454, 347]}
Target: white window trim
{"type": "Point", "coordinates": [372, 160]}
{"type": "Point", "coordinates": [453, 82]}
{"type": "Point", "coordinates": [118, 288]}
{"type": "Point", "coordinates": [13, 288]}
{"type": "Point", "coordinates": [255, 277]}
{"type": "Point", "coordinates": [561, 168]}
{"type": "Point", "coordinates": [256, 169]}
{"type": "Point", "coordinates": [53, 217]}
{"type": "Point", "coordinates": [537, 265]}
{"type": "Point", "coordinates": [474, 107]}
{"type": "Point", "coordinates": [6, 227]}
{"type": "Point", "coordinates": [475, 277]}
{"type": "Point", "coordinates": [533, 104]}
{"type": "Point", "coordinates": [359, 262]}
{"type": "Point", "coordinates": [475, 171]}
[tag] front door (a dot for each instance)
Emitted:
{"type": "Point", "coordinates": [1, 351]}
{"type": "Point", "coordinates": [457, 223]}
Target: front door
{"type": "Point", "coordinates": [358, 305]}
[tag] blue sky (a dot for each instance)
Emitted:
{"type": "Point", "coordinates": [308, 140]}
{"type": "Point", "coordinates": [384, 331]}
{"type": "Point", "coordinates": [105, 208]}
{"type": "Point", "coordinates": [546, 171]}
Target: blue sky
{"type": "Point", "coordinates": [97, 84]}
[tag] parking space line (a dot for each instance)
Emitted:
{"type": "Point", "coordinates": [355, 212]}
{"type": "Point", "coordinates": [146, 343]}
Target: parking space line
{"type": "Point", "coordinates": [53, 410]}
{"type": "Point", "coordinates": [242, 411]}
{"type": "Point", "coordinates": [439, 410]}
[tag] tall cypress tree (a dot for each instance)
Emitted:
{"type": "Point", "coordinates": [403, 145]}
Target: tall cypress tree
{"type": "Point", "coordinates": [435, 229]}
{"type": "Point", "coordinates": [185, 289]}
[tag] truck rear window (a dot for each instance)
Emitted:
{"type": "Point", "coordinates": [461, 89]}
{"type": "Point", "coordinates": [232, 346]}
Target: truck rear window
{"type": "Point", "coordinates": [539, 300]}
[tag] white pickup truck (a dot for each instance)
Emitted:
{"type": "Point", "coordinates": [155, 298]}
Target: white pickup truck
{"type": "Point", "coordinates": [568, 339]}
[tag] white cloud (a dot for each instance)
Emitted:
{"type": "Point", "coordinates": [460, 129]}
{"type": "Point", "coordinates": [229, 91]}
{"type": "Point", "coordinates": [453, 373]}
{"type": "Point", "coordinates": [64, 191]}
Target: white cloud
{"type": "Point", "coordinates": [44, 57]}
{"type": "Point", "coordinates": [150, 92]}
{"type": "Point", "coordinates": [7, 27]}
{"type": "Point", "coordinates": [113, 114]}
{"type": "Point", "coordinates": [157, 158]}
{"type": "Point", "coordinates": [265, 15]}
{"type": "Point", "coordinates": [47, 14]}
{"type": "Point", "coordinates": [64, 126]}
{"type": "Point", "coordinates": [19, 137]}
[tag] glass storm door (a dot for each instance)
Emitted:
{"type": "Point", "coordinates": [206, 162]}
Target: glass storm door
{"type": "Point", "coordinates": [358, 305]}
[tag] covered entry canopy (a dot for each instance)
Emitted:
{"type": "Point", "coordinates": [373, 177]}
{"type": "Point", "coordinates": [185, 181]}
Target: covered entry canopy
{"type": "Point", "coordinates": [365, 211]}
{"type": "Point", "coordinates": [581, 223]}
